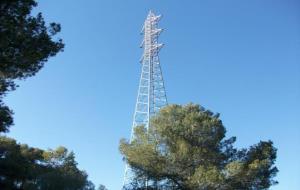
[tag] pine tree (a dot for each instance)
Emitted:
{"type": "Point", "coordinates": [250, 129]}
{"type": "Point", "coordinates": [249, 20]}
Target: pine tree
{"type": "Point", "coordinates": [185, 148]}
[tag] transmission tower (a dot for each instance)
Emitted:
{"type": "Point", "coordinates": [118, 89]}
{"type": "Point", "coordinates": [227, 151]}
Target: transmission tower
{"type": "Point", "coordinates": [151, 92]}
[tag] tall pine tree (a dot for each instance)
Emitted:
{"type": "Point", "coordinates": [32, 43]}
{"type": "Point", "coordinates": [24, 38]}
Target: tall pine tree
{"type": "Point", "coordinates": [185, 149]}
{"type": "Point", "coordinates": [26, 43]}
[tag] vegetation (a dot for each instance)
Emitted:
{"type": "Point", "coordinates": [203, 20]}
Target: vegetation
{"type": "Point", "coordinates": [26, 43]}
{"type": "Point", "coordinates": [185, 149]}
{"type": "Point", "coordinates": [23, 167]}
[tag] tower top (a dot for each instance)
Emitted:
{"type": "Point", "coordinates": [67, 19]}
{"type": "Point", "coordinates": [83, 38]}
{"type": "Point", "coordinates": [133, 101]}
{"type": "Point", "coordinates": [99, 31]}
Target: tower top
{"type": "Point", "coordinates": [151, 33]}
{"type": "Point", "coordinates": [152, 16]}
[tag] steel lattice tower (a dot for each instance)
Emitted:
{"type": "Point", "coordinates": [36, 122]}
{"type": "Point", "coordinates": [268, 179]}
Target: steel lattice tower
{"type": "Point", "coordinates": [151, 92]}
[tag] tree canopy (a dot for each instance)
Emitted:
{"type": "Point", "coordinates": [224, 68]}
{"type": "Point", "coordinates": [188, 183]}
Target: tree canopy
{"type": "Point", "coordinates": [27, 168]}
{"type": "Point", "coordinates": [26, 43]}
{"type": "Point", "coordinates": [185, 148]}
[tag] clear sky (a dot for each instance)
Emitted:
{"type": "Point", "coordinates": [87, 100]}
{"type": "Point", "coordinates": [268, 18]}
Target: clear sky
{"type": "Point", "coordinates": [238, 58]}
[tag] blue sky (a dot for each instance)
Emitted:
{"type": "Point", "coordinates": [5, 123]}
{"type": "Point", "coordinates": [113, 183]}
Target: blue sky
{"type": "Point", "coordinates": [238, 58]}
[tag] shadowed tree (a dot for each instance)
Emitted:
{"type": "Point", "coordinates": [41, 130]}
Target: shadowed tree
{"type": "Point", "coordinates": [185, 148]}
{"type": "Point", "coordinates": [26, 43]}
{"type": "Point", "coordinates": [27, 168]}
{"type": "Point", "coordinates": [102, 187]}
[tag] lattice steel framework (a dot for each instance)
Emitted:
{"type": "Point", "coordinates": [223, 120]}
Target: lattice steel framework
{"type": "Point", "coordinates": [151, 92]}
